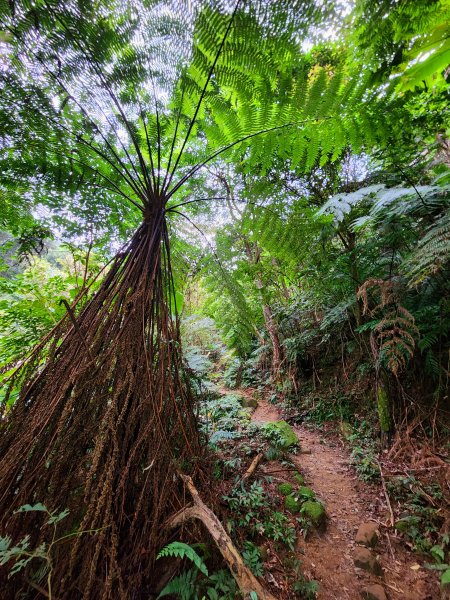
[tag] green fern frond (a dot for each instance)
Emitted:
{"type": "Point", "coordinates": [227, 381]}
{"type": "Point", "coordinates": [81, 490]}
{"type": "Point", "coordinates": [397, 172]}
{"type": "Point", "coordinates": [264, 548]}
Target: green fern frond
{"type": "Point", "coordinates": [432, 366]}
{"type": "Point", "coordinates": [183, 586]}
{"type": "Point", "coordinates": [432, 253]}
{"type": "Point", "coordinates": [182, 550]}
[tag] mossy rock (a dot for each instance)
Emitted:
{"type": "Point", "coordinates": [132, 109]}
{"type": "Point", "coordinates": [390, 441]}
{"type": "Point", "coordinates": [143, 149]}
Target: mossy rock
{"type": "Point", "coordinates": [286, 436]}
{"type": "Point", "coordinates": [299, 478]}
{"type": "Point", "coordinates": [306, 492]}
{"type": "Point", "coordinates": [405, 523]}
{"type": "Point", "coordinates": [345, 429]}
{"type": "Point", "coordinates": [245, 415]}
{"type": "Point", "coordinates": [292, 503]}
{"type": "Point", "coordinates": [249, 402]}
{"type": "Point", "coordinates": [314, 511]}
{"type": "Point", "coordinates": [285, 488]}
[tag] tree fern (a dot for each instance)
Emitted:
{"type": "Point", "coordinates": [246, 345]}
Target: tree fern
{"type": "Point", "coordinates": [111, 109]}
{"type": "Point", "coordinates": [410, 41]}
{"type": "Point", "coordinates": [182, 586]}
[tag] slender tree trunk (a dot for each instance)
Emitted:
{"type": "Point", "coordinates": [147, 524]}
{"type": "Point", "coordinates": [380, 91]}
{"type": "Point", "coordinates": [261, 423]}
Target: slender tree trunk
{"type": "Point", "coordinates": [272, 330]}
{"type": "Point", "coordinates": [384, 407]}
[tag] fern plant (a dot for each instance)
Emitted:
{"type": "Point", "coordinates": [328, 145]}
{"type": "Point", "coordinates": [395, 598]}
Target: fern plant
{"type": "Point", "coordinates": [432, 254]}
{"type": "Point", "coordinates": [394, 332]}
{"type": "Point", "coordinates": [181, 550]}
{"type": "Point", "coordinates": [197, 582]}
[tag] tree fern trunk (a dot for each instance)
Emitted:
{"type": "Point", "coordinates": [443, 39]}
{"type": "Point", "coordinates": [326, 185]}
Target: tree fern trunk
{"type": "Point", "coordinates": [101, 428]}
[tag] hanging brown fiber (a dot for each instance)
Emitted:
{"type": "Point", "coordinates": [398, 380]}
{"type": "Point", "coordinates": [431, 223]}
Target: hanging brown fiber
{"type": "Point", "coordinates": [101, 427]}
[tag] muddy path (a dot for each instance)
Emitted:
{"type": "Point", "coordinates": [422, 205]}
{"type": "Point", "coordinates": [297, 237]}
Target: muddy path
{"type": "Point", "coordinates": [328, 557]}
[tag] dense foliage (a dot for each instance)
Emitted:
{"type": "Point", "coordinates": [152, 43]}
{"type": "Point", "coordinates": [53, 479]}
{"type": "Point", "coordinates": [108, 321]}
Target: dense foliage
{"type": "Point", "coordinates": [278, 169]}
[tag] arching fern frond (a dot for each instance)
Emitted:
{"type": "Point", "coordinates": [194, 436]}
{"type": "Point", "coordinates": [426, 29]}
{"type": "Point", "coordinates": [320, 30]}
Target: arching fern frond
{"type": "Point", "coordinates": [432, 254]}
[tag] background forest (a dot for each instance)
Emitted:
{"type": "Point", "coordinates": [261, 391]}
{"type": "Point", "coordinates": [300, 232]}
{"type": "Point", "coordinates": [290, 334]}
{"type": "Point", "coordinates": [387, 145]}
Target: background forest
{"type": "Point", "coordinates": [283, 173]}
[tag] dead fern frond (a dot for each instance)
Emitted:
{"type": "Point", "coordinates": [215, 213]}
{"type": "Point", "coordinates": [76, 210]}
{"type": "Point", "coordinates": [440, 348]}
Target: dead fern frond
{"type": "Point", "coordinates": [385, 289]}
{"type": "Point", "coordinates": [393, 338]}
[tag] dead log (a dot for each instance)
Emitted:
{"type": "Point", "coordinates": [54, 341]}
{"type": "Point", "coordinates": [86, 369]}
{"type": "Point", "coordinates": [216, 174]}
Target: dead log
{"type": "Point", "coordinates": [253, 466]}
{"type": "Point", "coordinates": [245, 579]}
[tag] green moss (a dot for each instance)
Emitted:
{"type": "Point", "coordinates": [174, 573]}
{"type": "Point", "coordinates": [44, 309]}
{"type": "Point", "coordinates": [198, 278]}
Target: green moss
{"type": "Point", "coordinates": [249, 402]}
{"type": "Point", "coordinates": [299, 478]}
{"type": "Point", "coordinates": [346, 429]}
{"type": "Point", "coordinates": [306, 492]}
{"type": "Point", "coordinates": [282, 434]}
{"type": "Point", "coordinates": [285, 488]}
{"type": "Point", "coordinates": [245, 414]}
{"type": "Point", "coordinates": [314, 511]}
{"type": "Point", "coordinates": [406, 523]}
{"type": "Point", "coordinates": [292, 504]}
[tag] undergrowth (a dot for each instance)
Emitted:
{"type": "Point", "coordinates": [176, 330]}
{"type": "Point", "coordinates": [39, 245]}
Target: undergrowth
{"type": "Point", "coordinates": [419, 503]}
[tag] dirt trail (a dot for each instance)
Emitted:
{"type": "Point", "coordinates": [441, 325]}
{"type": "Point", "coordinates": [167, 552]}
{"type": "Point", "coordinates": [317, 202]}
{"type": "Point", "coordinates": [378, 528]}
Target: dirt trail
{"type": "Point", "coordinates": [265, 413]}
{"type": "Point", "coordinates": [327, 557]}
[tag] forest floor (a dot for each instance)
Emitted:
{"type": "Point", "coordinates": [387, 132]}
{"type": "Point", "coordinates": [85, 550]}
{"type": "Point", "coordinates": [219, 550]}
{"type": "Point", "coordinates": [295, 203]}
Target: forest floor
{"type": "Point", "coordinates": [328, 556]}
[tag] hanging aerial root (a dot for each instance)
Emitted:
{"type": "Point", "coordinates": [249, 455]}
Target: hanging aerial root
{"type": "Point", "coordinates": [101, 426]}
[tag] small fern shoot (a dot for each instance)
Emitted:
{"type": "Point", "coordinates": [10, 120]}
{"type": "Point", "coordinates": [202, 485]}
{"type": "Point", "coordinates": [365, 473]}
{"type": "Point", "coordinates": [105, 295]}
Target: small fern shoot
{"type": "Point", "coordinates": [182, 550]}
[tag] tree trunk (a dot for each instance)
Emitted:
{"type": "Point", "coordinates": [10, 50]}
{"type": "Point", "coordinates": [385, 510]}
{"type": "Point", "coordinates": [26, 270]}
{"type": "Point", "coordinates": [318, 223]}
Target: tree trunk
{"type": "Point", "coordinates": [99, 428]}
{"type": "Point", "coordinates": [277, 352]}
{"type": "Point", "coordinates": [384, 408]}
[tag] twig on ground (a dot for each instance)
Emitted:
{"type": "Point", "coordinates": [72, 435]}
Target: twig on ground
{"type": "Point", "coordinates": [253, 466]}
{"type": "Point", "coordinates": [390, 545]}
{"type": "Point", "coordinates": [383, 483]}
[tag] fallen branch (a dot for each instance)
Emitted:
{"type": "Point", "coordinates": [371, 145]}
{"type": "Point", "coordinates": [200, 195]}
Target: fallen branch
{"type": "Point", "coordinates": [245, 579]}
{"type": "Point", "coordinates": [253, 466]}
{"type": "Point", "coordinates": [383, 483]}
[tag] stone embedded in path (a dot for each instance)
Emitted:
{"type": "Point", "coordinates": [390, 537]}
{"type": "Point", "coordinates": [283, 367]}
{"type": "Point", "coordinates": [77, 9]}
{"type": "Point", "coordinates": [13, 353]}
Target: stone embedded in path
{"type": "Point", "coordinates": [367, 534]}
{"type": "Point", "coordinates": [249, 402]}
{"type": "Point", "coordinates": [374, 592]}
{"type": "Point", "coordinates": [365, 559]}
